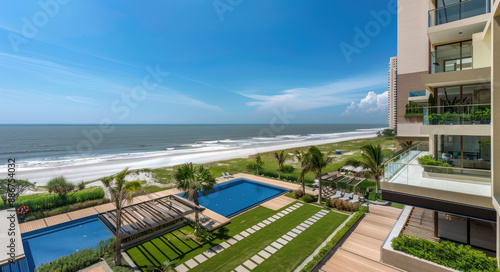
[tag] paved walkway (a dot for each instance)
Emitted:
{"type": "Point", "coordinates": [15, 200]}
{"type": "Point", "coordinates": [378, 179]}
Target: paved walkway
{"type": "Point", "coordinates": [275, 246]}
{"type": "Point", "coordinates": [361, 250]}
{"type": "Point", "coordinates": [202, 257]}
{"type": "Point", "coordinates": [278, 202]}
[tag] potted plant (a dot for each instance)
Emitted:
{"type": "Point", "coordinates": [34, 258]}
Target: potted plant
{"type": "Point", "coordinates": [449, 118]}
{"type": "Point", "coordinates": [482, 115]}
{"type": "Point", "coordinates": [434, 119]}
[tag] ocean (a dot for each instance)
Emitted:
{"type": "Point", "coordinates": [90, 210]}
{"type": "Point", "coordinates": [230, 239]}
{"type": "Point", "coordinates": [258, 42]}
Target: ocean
{"type": "Point", "coordinates": [46, 146]}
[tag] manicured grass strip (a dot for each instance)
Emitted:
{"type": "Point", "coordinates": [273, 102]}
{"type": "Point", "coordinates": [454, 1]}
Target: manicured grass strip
{"type": "Point", "coordinates": [238, 253]}
{"type": "Point", "coordinates": [180, 247]}
{"type": "Point", "coordinates": [329, 246]}
{"type": "Point", "coordinates": [296, 251]}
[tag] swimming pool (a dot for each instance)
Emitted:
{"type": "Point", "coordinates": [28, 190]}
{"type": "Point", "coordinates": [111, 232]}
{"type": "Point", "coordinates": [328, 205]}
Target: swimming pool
{"type": "Point", "coordinates": [47, 244]}
{"type": "Point", "coordinates": [232, 197]}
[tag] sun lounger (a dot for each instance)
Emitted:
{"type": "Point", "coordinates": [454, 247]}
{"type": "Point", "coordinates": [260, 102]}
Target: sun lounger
{"type": "Point", "coordinates": [355, 199]}
{"type": "Point", "coordinates": [224, 175]}
{"type": "Point", "coordinates": [347, 196]}
{"type": "Point", "coordinates": [229, 175]}
{"type": "Point", "coordinates": [338, 194]}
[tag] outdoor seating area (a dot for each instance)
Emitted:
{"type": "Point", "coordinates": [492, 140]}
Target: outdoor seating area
{"type": "Point", "coordinates": [226, 175]}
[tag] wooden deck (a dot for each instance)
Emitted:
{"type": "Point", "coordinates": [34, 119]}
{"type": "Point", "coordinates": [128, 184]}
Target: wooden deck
{"type": "Point", "coordinates": [361, 250]}
{"type": "Point", "coordinates": [278, 202]}
{"type": "Point", "coordinates": [282, 184]}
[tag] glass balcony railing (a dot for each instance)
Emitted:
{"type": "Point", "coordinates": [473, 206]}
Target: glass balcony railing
{"type": "Point", "coordinates": [458, 11]}
{"type": "Point", "coordinates": [459, 180]}
{"type": "Point", "coordinates": [417, 93]}
{"type": "Point", "coordinates": [479, 114]}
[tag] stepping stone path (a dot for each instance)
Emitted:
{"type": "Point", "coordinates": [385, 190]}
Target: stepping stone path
{"type": "Point", "coordinates": [249, 264]}
{"type": "Point", "coordinates": [283, 240]}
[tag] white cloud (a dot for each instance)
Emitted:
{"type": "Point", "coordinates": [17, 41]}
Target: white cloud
{"type": "Point", "coordinates": [372, 103]}
{"type": "Point", "coordinates": [302, 99]}
{"type": "Point", "coordinates": [83, 100]}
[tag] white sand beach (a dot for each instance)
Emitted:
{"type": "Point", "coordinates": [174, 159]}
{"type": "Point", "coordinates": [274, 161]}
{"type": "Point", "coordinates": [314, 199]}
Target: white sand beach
{"type": "Point", "coordinates": [93, 171]}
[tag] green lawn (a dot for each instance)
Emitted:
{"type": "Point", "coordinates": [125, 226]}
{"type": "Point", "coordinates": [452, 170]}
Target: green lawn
{"type": "Point", "coordinates": [144, 258]}
{"type": "Point", "coordinates": [288, 257]}
{"type": "Point", "coordinates": [179, 247]}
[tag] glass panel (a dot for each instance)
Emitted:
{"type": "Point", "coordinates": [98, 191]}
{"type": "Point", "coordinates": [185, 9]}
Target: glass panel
{"type": "Point", "coordinates": [482, 234]}
{"type": "Point", "coordinates": [447, 58]}
{"type": "Point", "coordinates": [453, 10]}
{"type": "Point", "coordinates": [466, 55]}
{"type": "Point", "coordinates": [477, 152]}
{"type": "Point", "coordinates": [449, 149]}
{"type": "Point", "coordinates": [452, 227]}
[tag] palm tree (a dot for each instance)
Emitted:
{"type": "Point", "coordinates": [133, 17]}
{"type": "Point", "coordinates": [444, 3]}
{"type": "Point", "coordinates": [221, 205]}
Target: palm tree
{"type": "Point", "coordinates": [120, 195]}
{"type": "Point", "coordinates": [318, 161]}
{"type": "Point", "coordinates": [304, 159]}
{"type": "Point", "coordinates": [191, 180]}
{"type": "Point", "coordinates": [259, 162]}
{"type": "Point", "coordinates": [406, 143]}
{"type": "Point", "coordinates": [280, 159]}
{"type": "Point", "coordinates": [372, 159]}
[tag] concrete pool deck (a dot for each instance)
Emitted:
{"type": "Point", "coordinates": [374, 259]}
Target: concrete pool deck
{"type": "Point", "coordinates": [217, 220]}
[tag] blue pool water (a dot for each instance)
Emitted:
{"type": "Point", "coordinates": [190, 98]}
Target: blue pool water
{"type": "Point", "coordinates": [48, 244]}
{"type": "Point", "coordinates": [232, 197]}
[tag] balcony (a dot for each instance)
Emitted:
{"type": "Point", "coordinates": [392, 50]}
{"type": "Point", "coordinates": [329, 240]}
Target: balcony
{"type": "Point", "coordinates": [479, 114]}
{"type": "Point", "coordinates": [403, 174]}
{"type": "Point", "coordinates": [458, 11]}
{"type": "Point", "coordinates": [417, 93]}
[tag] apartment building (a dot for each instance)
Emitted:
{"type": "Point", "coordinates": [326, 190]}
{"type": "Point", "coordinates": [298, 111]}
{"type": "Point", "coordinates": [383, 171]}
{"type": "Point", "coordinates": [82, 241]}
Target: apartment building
{"type": "Point", "coordinates": [392, 79]}
{"type": "Point", "coordinates": [448, 83]}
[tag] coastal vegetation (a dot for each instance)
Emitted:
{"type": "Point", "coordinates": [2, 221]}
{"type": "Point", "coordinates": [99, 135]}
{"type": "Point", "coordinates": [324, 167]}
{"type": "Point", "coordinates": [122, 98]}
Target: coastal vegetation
{"type": "Point", "coordinates": [280, 158]}
{"type": "Point", "coordinates": [46, 204]}
{"type": "Point", "coordinates": [372, 158]}
{"type": "Point", "coordinates": [191, 180]}
{"type": "Point", "coordinates": [120, 196]}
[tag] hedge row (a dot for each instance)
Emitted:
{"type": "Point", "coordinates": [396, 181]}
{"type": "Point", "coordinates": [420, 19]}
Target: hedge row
{"type": "Point", "coordinates": [331, 244]}
{"type": "Point", "coordinates": [51, 201]}
{"type": "Point", "coordinates": [461, 257]}
{"type": "Point", "coordinates": [79, 259]}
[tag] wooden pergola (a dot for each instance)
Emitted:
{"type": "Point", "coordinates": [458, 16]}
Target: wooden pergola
{"type": "Point", "coordinates": [337, 177]}
{"type": "Point", "coordinates": [143, 220]}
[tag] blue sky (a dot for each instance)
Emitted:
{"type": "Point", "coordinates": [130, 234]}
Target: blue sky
{"type": "Point", "coordinates": [197, 61]}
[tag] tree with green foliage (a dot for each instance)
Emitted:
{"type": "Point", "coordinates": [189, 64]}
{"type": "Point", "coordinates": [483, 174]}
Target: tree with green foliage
{"type": "Point", "coordinates": [389, 132]}
{"type": "Point", "coordinates": [305, 165]}
{"type": "Point", "coordinates": [259, 163]}
{"type": "Point", "coordinates": [280, 159]}
{"type": "Point", "coordinates": [119, 196]}
{"type": "Point", "coordinates": [318, 161]}
{"type": "Point", "coordinates": [373, 159]}
{"type": "Point", "coordinates": [191, 180]}
{"type": "Point", "coordinates": [60, 186]}
{"type": "Point", "coordinates": [15, 189]}
{"type": "Point", "coordinates": [407, 143]}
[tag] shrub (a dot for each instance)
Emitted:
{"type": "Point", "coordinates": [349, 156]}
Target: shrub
{"type": "Point", "coordinates": [252, 166]}
{"type": "Point", "coordinates": [47, 201]}
{"type": "Point", "coordinates": [287, 168]}
{"type": "Point", "coordinates": [307, 198]}
{"type": "Point", "coordinates": [343, 205]}
{"type": "Point", "coordinates": [79, 259]}
{"type": "Point", "coordinates": [430, 161]}
{"type": "Point", "coordinates": [461, 257]}
{"type": "Point", "coordinates": [133, 185]}
{"type": "Point", "coordinates": [60, 186]}
{"type": "Point", "coordinates": [80, 186]}
{"type": "Point", "coordinates": [298, 193]}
